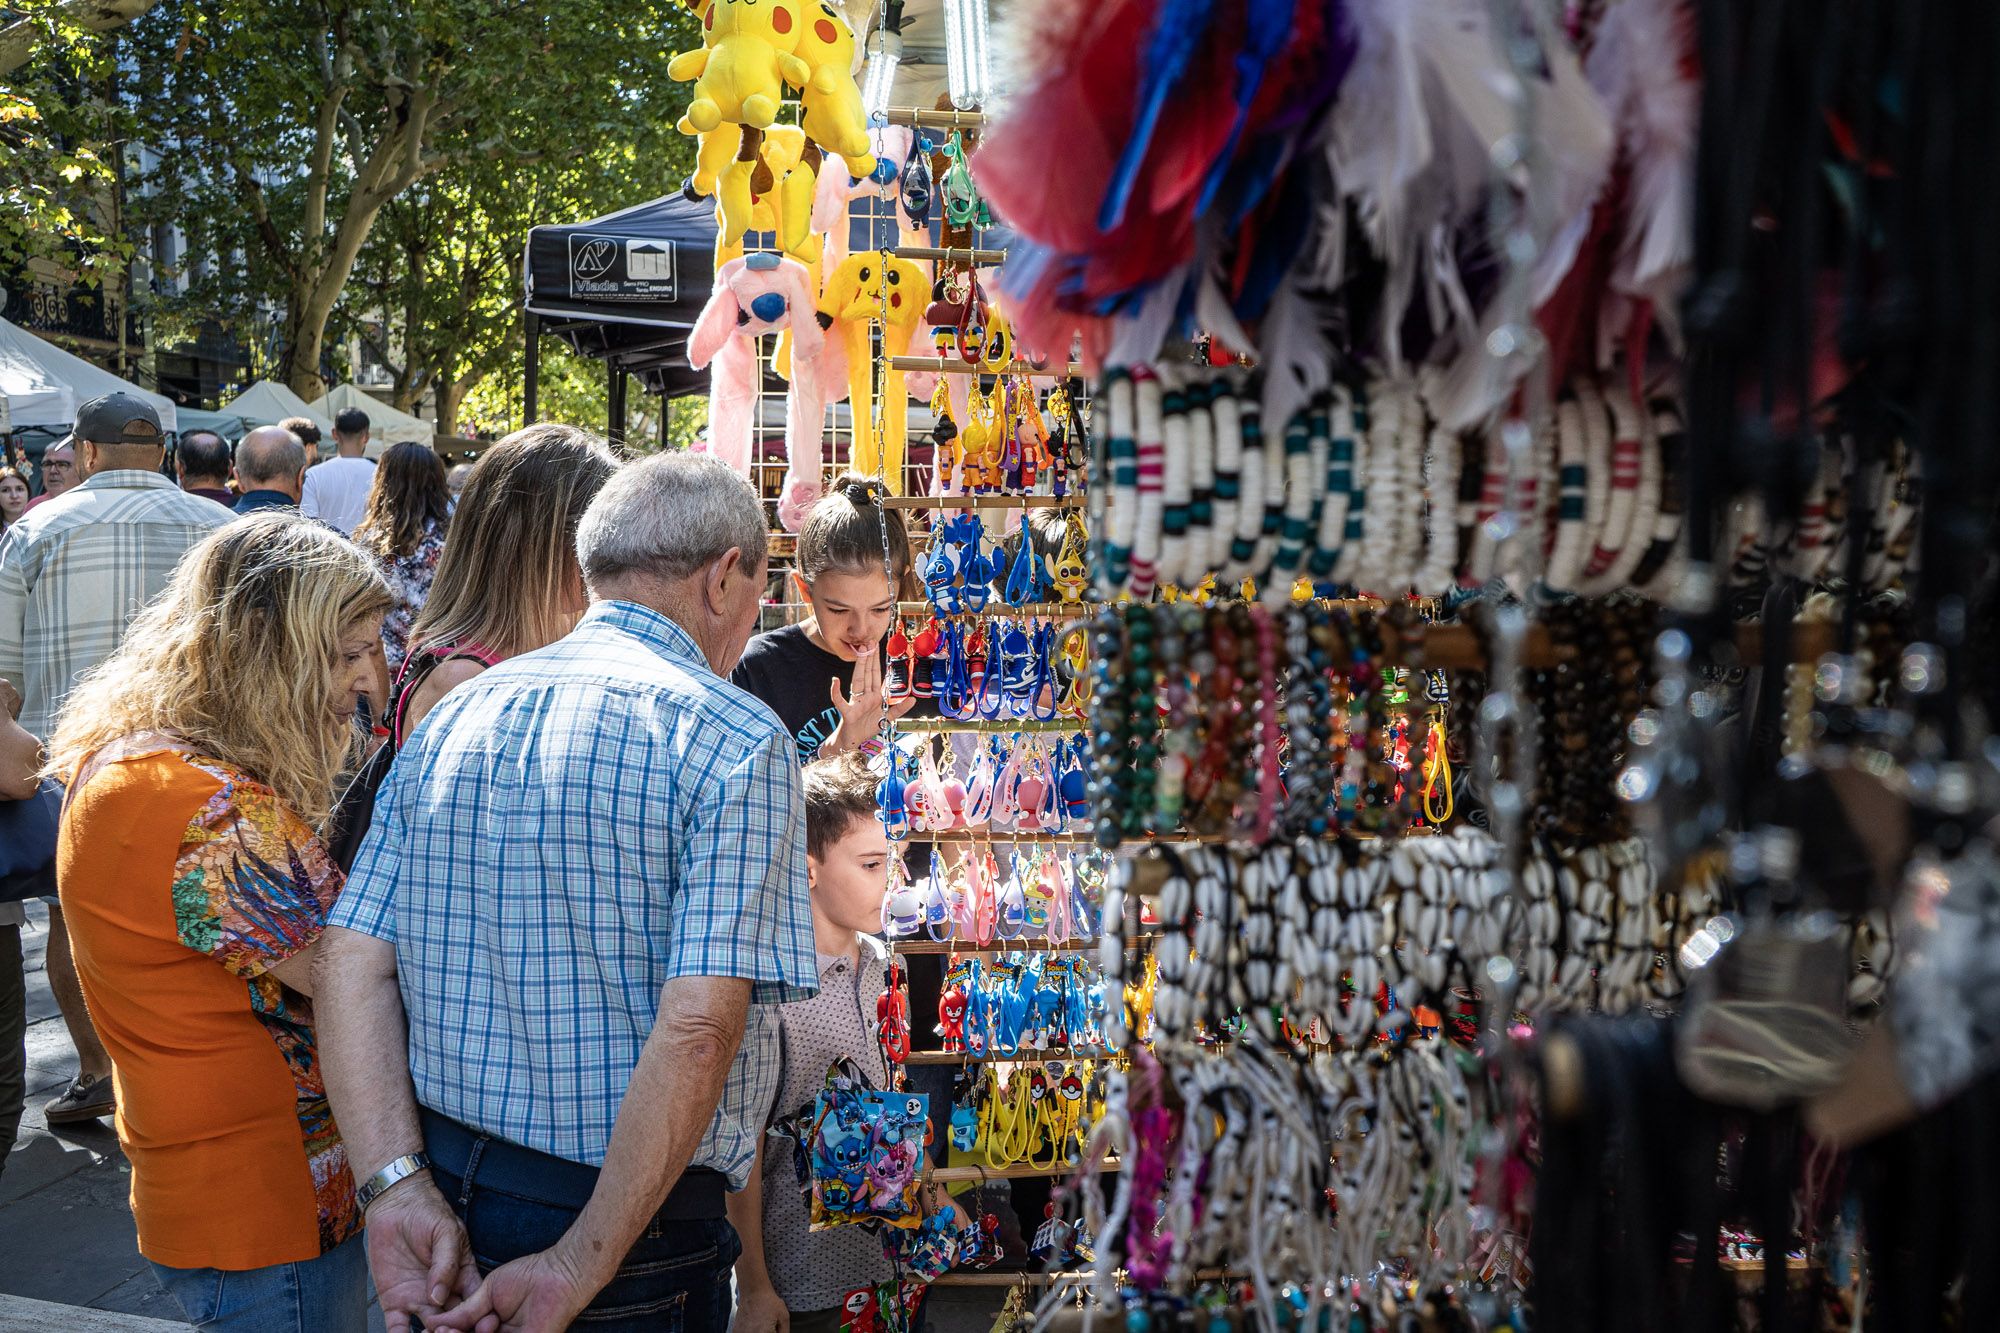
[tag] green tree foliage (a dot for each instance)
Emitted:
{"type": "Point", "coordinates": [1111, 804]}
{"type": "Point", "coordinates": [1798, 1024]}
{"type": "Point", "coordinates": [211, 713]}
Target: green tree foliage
{"type": "Point", "coordinates": [58, 111]}
{"type": "Point", "coordinates": [572, 390]}
{"type": "Point", "coordinates": [287, 133]}
{"type": "Point", "coordinates": [438, 289]}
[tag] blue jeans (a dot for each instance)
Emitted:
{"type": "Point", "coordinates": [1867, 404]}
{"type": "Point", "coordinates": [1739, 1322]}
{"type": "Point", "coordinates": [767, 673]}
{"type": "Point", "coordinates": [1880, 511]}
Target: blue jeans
{"type": "Point", "coordinates": [324, 1295]}
{"type": "Point", "coordinates": [675, 1279]}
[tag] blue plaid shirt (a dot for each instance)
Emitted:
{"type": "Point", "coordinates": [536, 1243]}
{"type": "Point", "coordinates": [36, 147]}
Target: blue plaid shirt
{"type": "Point", "coordinates": [560, 837]}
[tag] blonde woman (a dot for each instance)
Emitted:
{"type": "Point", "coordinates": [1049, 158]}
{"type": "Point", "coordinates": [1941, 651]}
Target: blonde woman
{"type": "Point", "coordinates": [508, 583]}
{"type": "Point", "coordinates": [200, 759]}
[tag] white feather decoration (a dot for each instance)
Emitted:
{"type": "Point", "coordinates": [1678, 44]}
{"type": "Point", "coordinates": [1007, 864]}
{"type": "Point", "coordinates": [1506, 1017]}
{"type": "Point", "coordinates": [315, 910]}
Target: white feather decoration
{"type": "Point", "coordinates": [1411, 144]}
{"type": "Point", "coordinates": [1140, 334]}
{"type": "Point", "coordinates": [1294, 353]}
{"type": "Point", "coordinates": [1639, 66]}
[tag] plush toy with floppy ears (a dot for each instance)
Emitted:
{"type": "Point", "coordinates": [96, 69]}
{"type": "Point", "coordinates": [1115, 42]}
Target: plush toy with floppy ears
{"type": "Point", "coordinates": [754, 295]}
{"type": "Point", "coordinates": [831, 103]}
{"type": "Point", "coordinates": [741, 71]}
{"type": "Point", "coordinates": [864, 289]}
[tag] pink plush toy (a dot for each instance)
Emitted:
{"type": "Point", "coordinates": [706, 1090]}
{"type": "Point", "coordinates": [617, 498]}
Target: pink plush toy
{"type": "Point", "coordinates": [755, 295]}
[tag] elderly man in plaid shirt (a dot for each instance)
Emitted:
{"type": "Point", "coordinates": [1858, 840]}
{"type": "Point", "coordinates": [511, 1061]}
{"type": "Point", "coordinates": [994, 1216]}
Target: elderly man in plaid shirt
{"type": "Point", "coordinates": [586, 870]}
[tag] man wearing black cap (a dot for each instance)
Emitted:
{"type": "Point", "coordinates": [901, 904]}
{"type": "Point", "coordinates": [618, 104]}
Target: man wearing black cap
{"type": "Point", "coordinates": [73, 574]}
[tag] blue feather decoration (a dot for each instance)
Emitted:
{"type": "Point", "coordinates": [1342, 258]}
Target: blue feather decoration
{"type": "Point", "coordinates": [1177, 36]}
{"type": "Point", "coordinates": [1269, 25]}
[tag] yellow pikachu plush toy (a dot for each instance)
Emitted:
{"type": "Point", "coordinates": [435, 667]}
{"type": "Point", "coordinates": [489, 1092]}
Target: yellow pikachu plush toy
{"type": "Point", "coordinates": [831, 103]}
{"type": "Point", "coordinates": [770, 191]}
{"type": "Point", "coordinates": [741, 72]}
{"type": "Point", "coordinates": [863, 289]}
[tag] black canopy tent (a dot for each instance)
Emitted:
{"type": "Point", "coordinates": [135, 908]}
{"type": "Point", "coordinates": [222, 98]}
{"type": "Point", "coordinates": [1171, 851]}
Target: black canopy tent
{"type": "Point", "coordinates": [626, 288]}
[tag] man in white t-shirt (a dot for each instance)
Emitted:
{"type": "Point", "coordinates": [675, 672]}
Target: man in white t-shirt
{"type": "Point", "coordinates": [336, 491]}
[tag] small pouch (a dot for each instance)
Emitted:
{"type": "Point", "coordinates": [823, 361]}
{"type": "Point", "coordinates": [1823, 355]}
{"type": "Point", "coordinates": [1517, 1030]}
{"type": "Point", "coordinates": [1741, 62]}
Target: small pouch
{"type": "Point", "coordinates": [863, 1152]}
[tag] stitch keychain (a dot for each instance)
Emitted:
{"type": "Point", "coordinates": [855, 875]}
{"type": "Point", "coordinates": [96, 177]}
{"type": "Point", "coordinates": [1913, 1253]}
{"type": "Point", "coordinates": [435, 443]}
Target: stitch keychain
{"type": "Point", "coordinates": [862, 1151]}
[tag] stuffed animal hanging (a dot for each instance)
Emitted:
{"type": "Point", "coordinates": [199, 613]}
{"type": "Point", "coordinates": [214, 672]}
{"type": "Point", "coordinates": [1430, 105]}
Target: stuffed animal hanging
{"type": "Point", "coordinates": [831, 104]}
{"type": "Point", "coordinates": [741, 71]}
{"type": "Point", "coordinates": [874, 288]}
{"type": "Point", "coordinates": [769, 187]}
{"type": "Point", "coordinates": [755, 295]}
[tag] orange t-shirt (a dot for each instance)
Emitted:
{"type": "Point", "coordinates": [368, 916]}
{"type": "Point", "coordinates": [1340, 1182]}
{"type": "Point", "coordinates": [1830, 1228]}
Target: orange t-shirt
{"type": "Point", "coordinates": [183, 881]}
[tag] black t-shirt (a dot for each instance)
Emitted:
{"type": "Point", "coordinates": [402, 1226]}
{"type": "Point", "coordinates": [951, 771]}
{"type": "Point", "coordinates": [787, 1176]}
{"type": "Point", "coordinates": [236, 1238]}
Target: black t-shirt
{"type": "Point", "coordinates": [790, 673]}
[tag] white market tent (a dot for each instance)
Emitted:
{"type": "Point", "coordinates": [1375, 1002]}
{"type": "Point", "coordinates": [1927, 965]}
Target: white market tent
{"type": "Point", "coordinates": [53, 383]}
{"type": "Point", "coordinates": [29, 394]}
{"type": "Point", "coordinates": [386, 426]}
{"type": "Point", "coordinates": [268, 402]}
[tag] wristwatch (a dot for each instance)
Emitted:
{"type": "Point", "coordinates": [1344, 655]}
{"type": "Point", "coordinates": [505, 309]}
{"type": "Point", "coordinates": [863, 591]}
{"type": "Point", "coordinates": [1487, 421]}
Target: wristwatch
{"type": "Point", "coordinates": [399, 1170]}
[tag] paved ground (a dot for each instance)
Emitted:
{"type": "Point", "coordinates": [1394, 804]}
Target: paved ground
{"type": "Point", "coordinates": [65, 1217]}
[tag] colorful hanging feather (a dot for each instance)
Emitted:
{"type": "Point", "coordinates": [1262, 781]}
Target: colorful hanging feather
{"type": "Point", "coordinates": [1177, 32]}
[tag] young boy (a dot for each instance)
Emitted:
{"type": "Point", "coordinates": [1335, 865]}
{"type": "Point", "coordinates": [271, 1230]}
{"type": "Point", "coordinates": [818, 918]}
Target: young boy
{"type": "Point", "coordinates": [784, 1268]}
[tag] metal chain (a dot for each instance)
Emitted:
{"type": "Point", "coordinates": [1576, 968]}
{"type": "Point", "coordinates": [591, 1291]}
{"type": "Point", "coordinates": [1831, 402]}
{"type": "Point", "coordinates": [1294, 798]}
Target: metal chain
{"type": "Point", "coordinates": [1506, 736]}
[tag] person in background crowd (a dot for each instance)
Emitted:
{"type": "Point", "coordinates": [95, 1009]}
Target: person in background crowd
{"type": "Point", "coordinates": [198, 759]}
{"type": "Point", "coordinates": [404, 530]}
{"type": "Point", "coordinates": [460, 474]}
{"type": "Point", "coordinates": [270, 469]}
{"type": "Point", "coordinates": [309, 435]}
{"type": "Point", "coordinates": [72, 576]}
{"type": "Point", "coordinates": [59, 472]}
{"type": "Point", "coordinates": [336, 492]}
{"type": "Point", "coordinates": [840, 572]}
{"type": "Point", "coordinates": [508, 582]}
{"type": "Point", "coordinates": [20, 762]}
{"type": "Point", "coordinates": [201, 462]}
{"type": "Point", "coordinates": [587, 1112]}
{"type": "Point", "coordinates": [13, 496]}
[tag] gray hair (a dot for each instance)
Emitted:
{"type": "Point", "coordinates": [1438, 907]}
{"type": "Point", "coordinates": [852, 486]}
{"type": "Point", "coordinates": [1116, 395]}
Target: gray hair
{"type": "Point", "coordinates": [269, 453]}
{"type": "Point", "coordinates": [668, 516]}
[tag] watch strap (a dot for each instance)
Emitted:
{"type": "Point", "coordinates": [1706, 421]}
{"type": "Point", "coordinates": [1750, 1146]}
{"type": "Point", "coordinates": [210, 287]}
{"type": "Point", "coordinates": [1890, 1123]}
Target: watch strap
{"type": "Point", "coordinates": [399, 1170]}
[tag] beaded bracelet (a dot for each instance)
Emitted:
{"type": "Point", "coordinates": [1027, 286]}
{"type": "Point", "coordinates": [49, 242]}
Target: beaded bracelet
{"type": "Point", "coordinates": [1665, 539]}
{"type": "Point", "coordinates": [1271, 527]}
{"type": "Point", "coordinates": [1347, 566]}
{"type": "Point", "coordinates": [1597, 445]}
{"type": "Point", "coordinates": [1646, 496]}
{"type": "Point", "coordinates": [1178, 488]}
{"type": "Point", "coordinates": [1300, 516]}
{"type": "Point", "coordinates": [1152, 480]}
{"type": "Point", "coordinates": [1249, 508]}
{"type": "Point", "coordinates": [1566, 558]}
{"type": "Point", "coordinates": [1176, 737]}
{"type": "Point", "coordinates": [1201, 401]}
{"type": "Point", "coordinates": [1622, 505]}
{"type": "Point", "coordinates": [1225, 413]}
{"type": "Point", "coordinates": [1335, 420]}
{"type": "Point", "coordinates": [1122, 524]}
{"type": "Point", "coordinates": [1441, 483]}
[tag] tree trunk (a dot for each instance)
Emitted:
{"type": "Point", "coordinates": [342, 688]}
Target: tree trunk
{"type": "Point", "coordinates": [451, 397]}
{"type": "Point", "coordinates": [394, 164]}
{"type": "Point", "coordinates": [305, 340]}
{"type": "Point", "coordinates": [19, 39]}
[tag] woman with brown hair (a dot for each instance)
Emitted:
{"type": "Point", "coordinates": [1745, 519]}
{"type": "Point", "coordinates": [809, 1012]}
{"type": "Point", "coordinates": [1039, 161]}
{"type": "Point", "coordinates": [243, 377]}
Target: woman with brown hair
{"type": "Point", "coordinates": [508, 583]}
{"type": "Point", "coordinates": [403, 527]}
{"type": "Point", "coordinates": [200, 761]}
{"type": "Point", "coordinates": [13, 496]}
